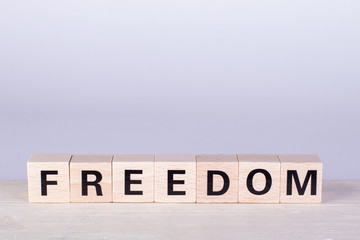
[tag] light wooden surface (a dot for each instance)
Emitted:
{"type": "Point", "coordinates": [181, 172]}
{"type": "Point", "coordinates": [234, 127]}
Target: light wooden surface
{"type": "Point", "coordinates": [338, 217]}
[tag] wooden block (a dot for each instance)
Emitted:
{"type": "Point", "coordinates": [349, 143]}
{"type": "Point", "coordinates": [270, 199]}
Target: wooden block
{"type": "Point", "coordinates": [301, 178]}
{"type": "Point", "coordinates": [175, 178]}
{"type": "Point", "coordinates": [133, 178]}
{"type": "Point", "coordinates": [217, 178]}
{"type": "Point", "coordinates": [91, 178]}
{"type": "Point", "coordinates": [48, 178]}
{"type": "Point", "coordinates": [259, 178]}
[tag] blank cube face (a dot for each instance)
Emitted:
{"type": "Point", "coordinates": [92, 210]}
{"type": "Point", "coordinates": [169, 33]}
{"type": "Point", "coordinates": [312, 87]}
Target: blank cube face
{"type": "Point", "coordinates": [217, 178]}
{"type": "Point", "coordinates": [259, 178]}
{"type": "Point", "coordinates": [301, 178]}
{"type": "Point", "coordinates": [175, 178]}
{"type": "Point", "coordinates": [133, 178]}
{"type": "Point", "coordinates": [48, 178]}
{"type": "Point", "coordinates": [91, 178]}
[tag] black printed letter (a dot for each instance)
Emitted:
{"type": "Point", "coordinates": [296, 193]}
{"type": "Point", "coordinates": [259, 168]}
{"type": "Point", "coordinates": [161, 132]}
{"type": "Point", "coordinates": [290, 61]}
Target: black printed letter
{"type": "Point", "coordinates": [301, 189]}
{"type": "Point", "coordinates": [85, 182]}
{"type": "Point", "coordinates": [128, 181]}
{"type": "Point", "coordinates": [249, 181]}
{"type": "Point", "coordinates": [171, 182]}
{"type": "Point", "coordinates": [210, 181]}
{"type": "Point", "coordinates": [44, 182]}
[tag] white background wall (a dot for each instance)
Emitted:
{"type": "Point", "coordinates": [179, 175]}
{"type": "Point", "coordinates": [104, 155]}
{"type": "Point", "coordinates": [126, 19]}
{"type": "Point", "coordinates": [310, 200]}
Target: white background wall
{"type": "Point", "coordinates": [185, 76]}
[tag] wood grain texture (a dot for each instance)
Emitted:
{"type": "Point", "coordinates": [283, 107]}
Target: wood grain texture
{"type": "Point", "coordinates": [166, 162]}
{"type": "Point", "coordinates": [301, 163]}
{"type": "Point", "coordinates": [226, 163]}
{"type": "Point", "coordinates": [58, 193]}
{"type": "Point", "coordinates": [142, 162]}
{"type": "Point", "coordinates": [338, 217]}
{"type": "Point", "coordinates": [269, 163]}
{"type": "Point", "coordinates": [98, 163]}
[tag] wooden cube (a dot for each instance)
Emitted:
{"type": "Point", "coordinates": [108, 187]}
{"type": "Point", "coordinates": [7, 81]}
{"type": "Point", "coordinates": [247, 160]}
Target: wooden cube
{"type": "Point", "coordinates": [217, 178]}
{"type": "Point", "coordinates": [175, 178]}
{"type": "Point", "coordinates": [133, 178]}
{"type": "Point", "coordinates": [259, 178]}
{"type": "Point", "coordinates": [301, 178]}
{"type": "Point", "coordinates": [48, 178]}
{"type": "Point", "coordinates": [91, 178]}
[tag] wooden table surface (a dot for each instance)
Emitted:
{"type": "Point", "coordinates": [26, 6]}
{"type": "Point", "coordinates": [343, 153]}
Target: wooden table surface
{"type": "Point", "coordinates": [338, 217]}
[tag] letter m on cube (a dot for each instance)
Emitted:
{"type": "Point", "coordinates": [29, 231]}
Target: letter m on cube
{"type": "Point", "coordinates": [301, 178]}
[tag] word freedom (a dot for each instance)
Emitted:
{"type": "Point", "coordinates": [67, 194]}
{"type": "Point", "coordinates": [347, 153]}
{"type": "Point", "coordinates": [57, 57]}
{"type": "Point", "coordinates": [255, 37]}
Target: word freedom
{"type": "Point", "coordinates": [179, 178]}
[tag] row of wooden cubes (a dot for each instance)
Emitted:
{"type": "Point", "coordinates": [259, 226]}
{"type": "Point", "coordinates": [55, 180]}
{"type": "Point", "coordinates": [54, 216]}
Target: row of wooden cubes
{"type": "Point", "coordinates": [182, 178]}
